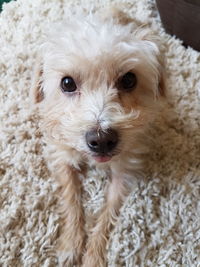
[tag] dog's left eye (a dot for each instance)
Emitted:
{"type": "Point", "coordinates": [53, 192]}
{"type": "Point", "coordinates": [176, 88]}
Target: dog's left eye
{"type": "Point", "coordinates": [127, 82]}
{"type": "Point", "coordinates": [68, 85]}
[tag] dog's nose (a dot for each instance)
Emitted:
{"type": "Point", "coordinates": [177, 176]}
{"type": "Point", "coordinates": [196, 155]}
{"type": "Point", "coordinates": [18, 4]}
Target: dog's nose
{"type": "Point", "coordinates": [100, 141]}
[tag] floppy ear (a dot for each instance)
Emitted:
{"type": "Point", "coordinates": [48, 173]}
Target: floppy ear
{"type": "Point", "coordinates": [161, 68]}
{"type": "Point", "coordinates": [162, 79]}
{"type": "Point", "coordinates": [154, 43]}
{"type": "Point", "coordinates": [36, 92]}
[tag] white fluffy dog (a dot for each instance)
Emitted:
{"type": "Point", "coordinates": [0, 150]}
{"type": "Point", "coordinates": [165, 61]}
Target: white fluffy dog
{"type": "Point", "coordinates": [98, 85]}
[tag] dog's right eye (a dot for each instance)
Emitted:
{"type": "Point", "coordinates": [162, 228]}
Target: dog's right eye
{"type": "Point", "coordinates": [127, 82]}
{"type": "Point", "coordinates": [68, 85]}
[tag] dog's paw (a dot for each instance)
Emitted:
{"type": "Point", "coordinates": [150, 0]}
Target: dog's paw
{"type": "Point", "coordinates": [69, 258]}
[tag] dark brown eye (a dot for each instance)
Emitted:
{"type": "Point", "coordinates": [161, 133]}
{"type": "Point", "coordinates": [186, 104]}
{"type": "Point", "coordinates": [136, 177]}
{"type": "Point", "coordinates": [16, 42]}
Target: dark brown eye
{"type": "Point", "coordinates": [68, 85]}
{"type": "Point", "coordinates": [128, 82]}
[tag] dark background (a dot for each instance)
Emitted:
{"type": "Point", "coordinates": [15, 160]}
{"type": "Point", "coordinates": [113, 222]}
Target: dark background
{"type": "Point", "coordinates": [1, 3]}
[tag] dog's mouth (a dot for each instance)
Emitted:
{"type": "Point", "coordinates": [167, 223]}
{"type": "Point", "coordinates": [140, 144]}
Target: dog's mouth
{"type": "Point", "coordinates": [102, 158]}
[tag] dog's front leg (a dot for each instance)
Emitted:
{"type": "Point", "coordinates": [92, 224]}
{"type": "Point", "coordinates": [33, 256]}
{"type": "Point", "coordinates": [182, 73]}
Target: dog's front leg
{"type": "Point", "coordinates": [95, 255]}
{"type": "Point", "coordinates": [71, 242]}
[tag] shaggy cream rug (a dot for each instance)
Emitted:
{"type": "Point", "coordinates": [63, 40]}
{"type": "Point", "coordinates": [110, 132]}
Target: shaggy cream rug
{"type": "Point", "coordinates": [160, 221]}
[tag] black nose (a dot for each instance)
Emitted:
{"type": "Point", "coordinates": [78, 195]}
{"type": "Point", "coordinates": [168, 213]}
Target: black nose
{"type": "Point", "coordinates": [100, 141]}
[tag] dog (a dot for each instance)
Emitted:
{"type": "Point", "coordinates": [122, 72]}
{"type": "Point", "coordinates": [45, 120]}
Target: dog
{"type": "Point", "coordinates": [98, 84]}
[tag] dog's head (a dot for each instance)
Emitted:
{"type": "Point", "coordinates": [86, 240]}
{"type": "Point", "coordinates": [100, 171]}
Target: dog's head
{"type": "Point", "coordinates": [98, 84]}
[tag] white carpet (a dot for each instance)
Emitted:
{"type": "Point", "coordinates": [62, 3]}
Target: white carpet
{"type": "Point", "coordinates": [160, 221]}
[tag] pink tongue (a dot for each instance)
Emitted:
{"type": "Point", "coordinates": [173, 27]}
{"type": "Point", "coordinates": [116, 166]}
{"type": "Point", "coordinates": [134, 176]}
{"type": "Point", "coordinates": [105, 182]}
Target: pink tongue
{"type": "Point", "coordinates": [102, 159]}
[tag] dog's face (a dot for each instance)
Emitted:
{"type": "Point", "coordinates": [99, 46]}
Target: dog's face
{"type": "Point", "coordinates": [99, 87]}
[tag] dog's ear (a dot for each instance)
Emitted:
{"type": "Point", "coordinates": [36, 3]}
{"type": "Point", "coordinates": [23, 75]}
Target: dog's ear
{"type": "Point", "coordinates": [36, 92]}
{"type": "Point", "coordinates": [153, 42]}
{"type": "Point", "coordinates": [161, 68]}
{"type": "Point", "coordinates": [162, 79]}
